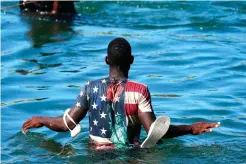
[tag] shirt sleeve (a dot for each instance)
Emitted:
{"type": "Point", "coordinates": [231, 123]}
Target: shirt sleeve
{"type": "Point", "coordinates": [144, 104]}
{"type": "Point", "coordinates": [82, 99]}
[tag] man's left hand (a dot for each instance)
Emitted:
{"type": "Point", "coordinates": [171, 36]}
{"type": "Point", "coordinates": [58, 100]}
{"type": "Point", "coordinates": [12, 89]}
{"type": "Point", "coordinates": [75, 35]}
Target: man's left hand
{"type": "Point", "coordinates": [202, 127]}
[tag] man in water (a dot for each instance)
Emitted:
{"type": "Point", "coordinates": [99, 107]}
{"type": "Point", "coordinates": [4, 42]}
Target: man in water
{"type": "Point", "coordinates": [117, 107]}
{"type": "Point", "coordinates": [48, 7]}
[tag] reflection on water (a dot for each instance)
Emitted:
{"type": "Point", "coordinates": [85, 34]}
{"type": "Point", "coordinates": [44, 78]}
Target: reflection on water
{"type": "Point", "coordinates": [48, 29]}
{"type": "Point", "coordinates": [40, 67]}
{"type": "Point", "coordinates": [43, 30]}
{"type": "Point", "coordinates": [73, 71]}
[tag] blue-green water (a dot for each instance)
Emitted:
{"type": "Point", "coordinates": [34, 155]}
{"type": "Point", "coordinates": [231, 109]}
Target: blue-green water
{"type": "Point", "coordinates": [190, 54]}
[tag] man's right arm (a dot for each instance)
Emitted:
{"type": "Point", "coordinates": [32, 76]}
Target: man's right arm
{"type": "Point", "coordinates": [56, 123]}
{"type": "Point", "coordinates": [77, 113]}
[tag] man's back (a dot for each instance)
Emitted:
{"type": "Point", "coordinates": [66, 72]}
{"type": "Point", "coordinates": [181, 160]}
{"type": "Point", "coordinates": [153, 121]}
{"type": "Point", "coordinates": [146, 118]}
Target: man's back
{"type": "Point", "coordinates": [113, 107]}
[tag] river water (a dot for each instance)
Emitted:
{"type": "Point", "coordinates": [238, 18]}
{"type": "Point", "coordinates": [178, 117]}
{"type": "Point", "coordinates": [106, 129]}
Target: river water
{"type": "Point", "coordinates": [192, 56]}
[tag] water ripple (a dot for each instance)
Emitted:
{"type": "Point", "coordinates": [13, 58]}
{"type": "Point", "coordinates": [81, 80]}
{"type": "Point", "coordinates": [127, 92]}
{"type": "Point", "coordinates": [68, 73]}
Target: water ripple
{"type": "Point", "coordinates": [21, 101]}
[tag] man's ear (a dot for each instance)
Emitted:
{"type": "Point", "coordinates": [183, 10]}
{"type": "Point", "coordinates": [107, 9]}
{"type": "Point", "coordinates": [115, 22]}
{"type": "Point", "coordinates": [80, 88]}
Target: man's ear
{"type": "Point", "coordinates": [132, 59]}
{"type": "Point", "coordinates": [106, 60]}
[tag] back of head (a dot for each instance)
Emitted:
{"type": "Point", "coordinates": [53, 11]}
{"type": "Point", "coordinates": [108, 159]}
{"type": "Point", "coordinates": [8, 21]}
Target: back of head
{"type": "Point", "coordinates": [119, 53]}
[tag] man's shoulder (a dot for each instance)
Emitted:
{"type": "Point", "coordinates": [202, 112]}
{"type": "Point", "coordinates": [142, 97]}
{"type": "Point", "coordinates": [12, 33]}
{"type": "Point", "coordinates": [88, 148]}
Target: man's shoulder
{"type": "Point", "coordinates": [136, 83]}
{"type": "Point", "coordinates": [134, 86]}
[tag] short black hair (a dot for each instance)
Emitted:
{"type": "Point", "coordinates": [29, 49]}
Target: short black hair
{"type": "Point", "coordinates": [119, 52]}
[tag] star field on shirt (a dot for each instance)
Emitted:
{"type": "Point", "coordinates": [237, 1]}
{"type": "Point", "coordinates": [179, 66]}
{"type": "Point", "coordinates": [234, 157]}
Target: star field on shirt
{"type": "Point", "coordinates": [103, 131]}
{"type": "Point", "coordinates": [103, 98]}
{"type": "Point", "coordinates": [93, 97]}
{"type": "Point", "coordinates": [95, 122]}
{"type": "Point", "coordinates": [94, 106]}
{"type": "Point", "coordinates": [104, 81]}
{"type": "Point", "coordinates": [81, 93]}
{"type": "Point", "coordinates": [88, 83]}
{"type": "Point", "coordinates": [95, 89]}
{"type": "Point", "coordinates": [78, 105]}
{"type": "Point", "coordinates": [103, 115]}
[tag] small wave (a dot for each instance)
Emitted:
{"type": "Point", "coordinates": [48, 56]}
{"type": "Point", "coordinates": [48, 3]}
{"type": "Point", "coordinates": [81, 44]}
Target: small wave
{"type": "Point", "coordinates": [166, 95]}
{"type": "Point", "coordinates": [154, 76]}
{"type": "Point", "coordinates": [73, 86]}
{"type": "Point", "coordinates": [48, 53]}
{"type": "Point", "coordinates": [23, 101]}
{"type": "Point", "coordinates": [38, 87]}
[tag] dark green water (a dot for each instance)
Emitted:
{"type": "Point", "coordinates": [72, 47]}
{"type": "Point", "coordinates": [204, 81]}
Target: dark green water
{"type": "Point", "coordinates": [190, 54]}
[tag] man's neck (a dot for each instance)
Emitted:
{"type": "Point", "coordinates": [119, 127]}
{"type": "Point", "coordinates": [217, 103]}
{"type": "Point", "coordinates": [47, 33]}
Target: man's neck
{"type": "Point", "coordinates": [115, 73]}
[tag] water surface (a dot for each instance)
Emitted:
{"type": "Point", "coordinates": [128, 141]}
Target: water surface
{"type": "Point", "coordinates": [190, 54]}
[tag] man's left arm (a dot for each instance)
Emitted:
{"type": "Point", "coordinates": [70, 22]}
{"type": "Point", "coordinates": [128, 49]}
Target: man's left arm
{"type": "Point", "coordinates": [147, 117]}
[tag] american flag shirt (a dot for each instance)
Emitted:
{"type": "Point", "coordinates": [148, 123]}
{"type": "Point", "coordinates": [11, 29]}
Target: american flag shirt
{"type": "Point", "coordinates": [113, 107]}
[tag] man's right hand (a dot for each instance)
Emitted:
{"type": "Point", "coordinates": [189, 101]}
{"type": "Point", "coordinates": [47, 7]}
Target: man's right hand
{"type": "Point", "coordinates": [202, 127]}
{"type": "Point", "coordinates": [34, 122]}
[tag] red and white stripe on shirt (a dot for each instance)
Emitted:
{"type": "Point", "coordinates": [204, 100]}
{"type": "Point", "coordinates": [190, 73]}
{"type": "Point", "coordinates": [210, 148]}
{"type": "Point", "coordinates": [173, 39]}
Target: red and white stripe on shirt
{"type": "Point", "coordinates": [137, 99]}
